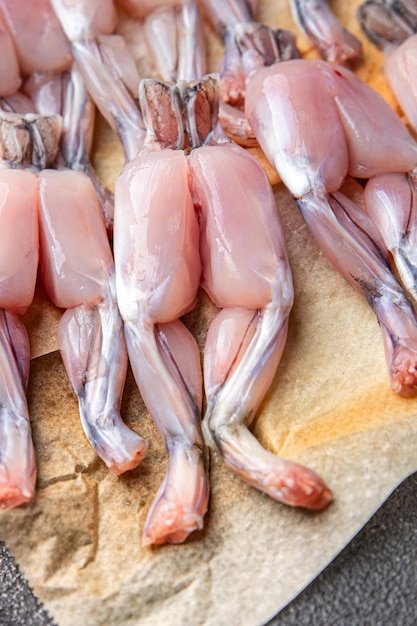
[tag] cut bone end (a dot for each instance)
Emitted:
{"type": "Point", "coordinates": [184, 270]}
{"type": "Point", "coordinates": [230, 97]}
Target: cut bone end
{"type": "Point", "coordinates": [119, 466]}
{"type": "Point", "coordinates": [404, 374]}
{"type": "Point", "coordinates": [12, 496]}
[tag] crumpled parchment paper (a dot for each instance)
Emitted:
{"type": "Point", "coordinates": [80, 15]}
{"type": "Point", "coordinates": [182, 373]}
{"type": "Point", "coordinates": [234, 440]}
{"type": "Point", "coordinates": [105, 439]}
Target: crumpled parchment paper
{"type": "Point", "coordinates": [330, 407]}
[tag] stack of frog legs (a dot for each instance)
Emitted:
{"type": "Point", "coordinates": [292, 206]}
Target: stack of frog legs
{"type": "Point", "coordinates": [165, 250]}
{"type": "Point", "coordinates": [254, 291]}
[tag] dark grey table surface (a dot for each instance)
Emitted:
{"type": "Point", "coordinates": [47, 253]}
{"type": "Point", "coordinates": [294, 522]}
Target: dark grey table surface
{"type": "Point", "coordinates": [373, 581]}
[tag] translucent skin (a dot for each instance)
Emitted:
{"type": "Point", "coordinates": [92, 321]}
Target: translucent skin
{"type": "Point", "coordinates": [17, 102]}
{"type": "Point", "coordinates": [66, 95]}
{"type": "Point", "coordinates": [288, 131]}
{"type": "Point", "coordinates": [390, 200]}
{"type": "Point", "coordinates": [366, 138]}
{"type": "Point", "coordinates": [158, 282]}
{"type": "Point", "coordinates": [245, 272]}
{"type": "Point", "coordinates": [10, 80]}
{"type": "Point", "coordinates": [141, 8]}
{"type": "Point", "coordinates": [335, 43]}
{"type": "Point", "coordinates": [229, 13]}
{"type": "Point", "coordinates": [78, 273]}
{"type": "Point", "coordinates": [18, 239]}
{"type": "Point", "coordinates": [18, 269]}
{"type": "Point", "coordinates": [112, 81]}
{"type": "Point", "coordinates": [39, 41]}
{"type": "Point", "coordinates": [378, 140]}
{"type": "Point", "coordinates": [76, 257]}
{"type": "Point", "coordinates": [157, 278]}
{"type": "Point", "coordinates": [175, 38]}
{"type": "Point", "coordinates": [17, 454]}
{"type": "Point", "coordinates": [83, 19]}
{"type": "Point", "coordinates": [360, 133]}
{"type": "Point", "coordinates": [248, 45]}
{"type": "Point", "coordinates": [399, 68]}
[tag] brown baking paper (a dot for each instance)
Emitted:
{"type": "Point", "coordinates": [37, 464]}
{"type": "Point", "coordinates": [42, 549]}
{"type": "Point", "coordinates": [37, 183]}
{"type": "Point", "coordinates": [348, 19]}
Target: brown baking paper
{"type": "Point", "coordinates": [329, 407]}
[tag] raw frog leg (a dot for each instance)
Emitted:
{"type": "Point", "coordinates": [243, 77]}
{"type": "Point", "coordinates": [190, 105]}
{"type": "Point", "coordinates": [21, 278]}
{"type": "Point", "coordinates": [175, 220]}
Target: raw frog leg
{"type": "Point", "coordinates": [392, 27]}
{"type": "Point", "coordinates": [109, 72]}
{"type": "Point", "coordinates": [66, 94]}
{"type": "Point", "coordinates": [378, 141]}
{"type": "Point", "coordinates": [390, 200]}
{"type": "Point", "coordinates": [183, 57]}
{"type": "Point", "coordinates": [247, 46]}
{"type": "Point", "coordinates": [18, 268]}
{"type": "Point", "coordinates": [175, 38]}
{"type": "Point", "coordinates": [78, 273]}
{"type": "Point", "coordinates": [157, 276]}
{"type": "Point", "coordinates": [328, 35]}
{"type": "Point", "coordinates": [141, 8]}
{"type": "Point", "coordinates": [313, 150]}
{"type": "Point", "coordinates": [29, 141]}
{"type": "Point", "coordinates": [399, 68]}
{"type": "Point", "coordinates": [18, 102]}
{"type": "Point", "coordinates": [247, 274]}
{"type": "Point", "coordinates": [85, 19]}
{"type": "Point", "coordinates": [39, 41]}
{"type": "Point", "coordinates": [10, 79]}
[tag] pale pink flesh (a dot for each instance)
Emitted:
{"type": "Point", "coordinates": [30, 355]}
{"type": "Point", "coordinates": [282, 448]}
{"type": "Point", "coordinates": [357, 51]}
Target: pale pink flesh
{"type": "Point", "coordinates": [27, 140]}
{"type": "Point", "coordinates": [78, 273]}
{"type": "Point", "coordinates": [340, 229]}
{"type": "Point", "coordinates": [18, 269]}
{"type": "Point", "coordinates": [76, 259]}
{"type": "Point", "coordinates": [66, 94]}
{"type": "Point", "coordinates": [346, 120]}
{"type": "Point", "coordinates": [155, 240]}
{"type": "Point", "coordinates": [299, 154]}
{"type": "Point", "coordinates": [39, 40]}
{"type": "Point", "coordinates": [306, 145]}
{"type": "Point", "coordinates": [17, 454]}
{"type": "Point", "coordinates": [18, 239]}
{"type": "Point", "coordinates": [157, 277]}
{"type": "Point", "coordinates": [400, 68]}
{"type": "Point", "coordinates": [10, 79]}
{"type": "Point", "coordinates": [245, 268]}
{"type": "Point", "coordinates": [160, 31]}
{"type": "Point", "coordinates": [44, 89]}
{"type": "Point", "coordinates": [107, 67]}
{"type": "Point", "coordinates": [232, 72]}
{"type": "Point", "coordinates": [169, 378]}
{"type": "Point", "coordinates": [175, 39]}
{"type": "Point", "coordinates": [82, 19]}
{"type": "Point", "coordinates": [236, 125]}
{"type": "Point", "coordinates": [225, 17]}
{"type": "Point", "coordinates": [390, 202]}
{"type": "Point", "coordinates": [335, 43]}
{"type": "Point", "coordinates": [112, 81]}
{"type": "Point", "coordinates": [378, 140]}
{"type": "Point", "coordinates": [250, 46]}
